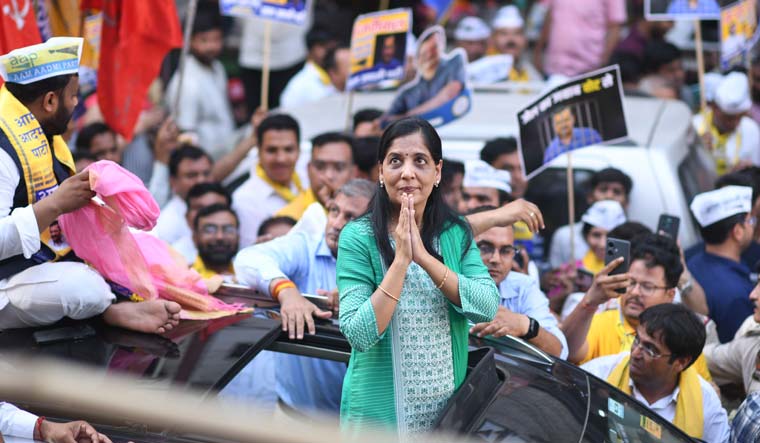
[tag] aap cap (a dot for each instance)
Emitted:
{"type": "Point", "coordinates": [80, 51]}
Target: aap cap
{"type": "Point", "coordinates": [605, 214]}
{"type": "Point", "coordinates": [732, 95]}
{"type": "Point", "coordinates": [508, 17]}
{"type": "Point", "coordinates": [472, 29]}
{"type": "Point", "coordinates": [712, 80]}
{"type": "Point", "coordinates": [714, 206]}
{"type": "Point", "coordinates": [479, 174]}
{"type": "Point", "coordinates": [57, 56]}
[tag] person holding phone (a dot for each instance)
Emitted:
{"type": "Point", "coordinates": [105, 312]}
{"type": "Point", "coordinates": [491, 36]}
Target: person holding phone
{"type": "Point", "coordinates": [409, 277]}
{"type": "Point", "coordinates": [655, 267]}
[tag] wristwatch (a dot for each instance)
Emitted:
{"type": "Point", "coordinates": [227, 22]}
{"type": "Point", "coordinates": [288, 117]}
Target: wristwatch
{"type": "Point", "coordinates": [532, 329]}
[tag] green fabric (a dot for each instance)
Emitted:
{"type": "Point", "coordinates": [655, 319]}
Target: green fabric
{"type": "Point", "coordinates": [368, 391]}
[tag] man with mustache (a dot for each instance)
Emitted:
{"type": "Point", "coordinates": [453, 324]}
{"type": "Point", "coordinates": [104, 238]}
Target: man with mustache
{"type": "Point", "coordinates": [215, 234]}
{"type": "Point", "coordinates": [651, 280]}
{"type": "Point", "coordinates": [508, 37]}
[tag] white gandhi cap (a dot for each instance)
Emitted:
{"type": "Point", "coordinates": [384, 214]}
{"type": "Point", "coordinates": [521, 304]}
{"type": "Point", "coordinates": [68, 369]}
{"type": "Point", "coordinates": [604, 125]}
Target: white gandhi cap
{"type": "Point", "coordinates": [714, 206]}
{"type": "Point", "coordinates": [732, 95]}
{"type": "Point", "coordinates": [479, 174]}
{"type": "Point", "coordinates": [472, 29]}
{"type": "Point", "coordinates": [508, 17]}
{"type": "Point", "coordinates": [605, 214]}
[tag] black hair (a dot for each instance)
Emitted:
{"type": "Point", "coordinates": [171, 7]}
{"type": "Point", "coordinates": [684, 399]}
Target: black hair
{"type": "Point", "coordinates": [497, 147]}
{"type": "Point", "coordinates": [659, 250]}
{"type": "Point", "coordinates": [333, 137]}
{"type": "Point", "coordinates": [317, 36]}
{"type": "Point", "coordinates": [631, 66]}
{"type": "Point", "coordinates": [207, 18]}
{"type": "Point", "coordinates": [278, 122]}
{"type": "Point", "coordinates": [480, 209]}
{"type": "Point", "coordinates": [629, 230]}
{"type": "Point", "coordinates": [437, 217]}
{"type": "Point", "coordinates": [612, 175]}
{"type": "Point", "coordinates": [89, 132]}
{"type": "Point", "coordinates": [658, 53]}
{"type": "Point", "coordinates": [365, 153]}
{"type": "Point", "coordinates": [366, 115]}
{"type": "Point", "coordinates": [213, 209]}
{"type": "Point", "coordinates": [679, 328]}
{"type": "Point", "coordinates": [330, 63]}
{"type": "Point", "coordinates": [719, 231]}
{"type": "Point", "coordinates": [200, 189]}
{"type": "Point", "coordinates": [449, 170]}
{"type": "Point", "coordinates": [28, 93]}
{"type": "Point", "coordinates": [79, 155]}
{"type": "Point", "coordinates": [744, 177]}
{"type": "Point", "coordinates": [278, 220]}
{"type": "Point", "coordinates": [185, 152]}
{"type": "Point", "coordinates": [586, 229]}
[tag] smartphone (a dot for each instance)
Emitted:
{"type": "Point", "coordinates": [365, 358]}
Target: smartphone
{"type": "Point", "coordinates": [66, 333]}
{"type": "Point", "coordinates": [617, 248]}
{"type": "Point", "coordinates": [668, 226]}
{"type": "Point", "coordinates": [583, 280]}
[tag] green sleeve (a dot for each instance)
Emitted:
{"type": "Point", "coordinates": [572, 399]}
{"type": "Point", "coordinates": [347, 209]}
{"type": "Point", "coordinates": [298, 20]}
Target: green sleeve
{"type": "Point", "coordinates": [477, 290]}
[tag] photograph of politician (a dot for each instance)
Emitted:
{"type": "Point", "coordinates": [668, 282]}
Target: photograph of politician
{"type": "Point", "coordinates": [568, 136]}
{"type": "Point", "coordinates": [389, 50]}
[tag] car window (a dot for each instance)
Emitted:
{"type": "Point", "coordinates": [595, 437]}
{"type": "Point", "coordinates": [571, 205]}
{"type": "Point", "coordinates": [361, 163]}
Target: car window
{"type": "Point", "coordinates": [697, 170]}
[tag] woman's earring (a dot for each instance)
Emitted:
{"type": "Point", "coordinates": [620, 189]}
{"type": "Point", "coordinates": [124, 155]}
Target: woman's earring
{"type": "Point", "coordinates": [382, 185]}
{"type": "Point", "coordinates": [436, 184]}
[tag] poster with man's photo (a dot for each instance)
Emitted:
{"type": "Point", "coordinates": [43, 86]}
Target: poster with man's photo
{"type": "Point", "coordinates": [294, 12]}
{"type": "Point", "coordinates": [683, 9]}
{"type": "Point", "coordinates": [440, 92]}
{"type": "Point", "coordinates": [378, 48]}
{"type": "Point", "coordinates": [738, 33]}
{"type": "Point", "coordinates": [584, 111]}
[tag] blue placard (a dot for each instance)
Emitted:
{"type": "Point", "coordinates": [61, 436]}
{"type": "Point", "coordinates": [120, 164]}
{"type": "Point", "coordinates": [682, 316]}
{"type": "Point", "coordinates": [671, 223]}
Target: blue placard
{"type": "Point", "coordinates": [294, 12]}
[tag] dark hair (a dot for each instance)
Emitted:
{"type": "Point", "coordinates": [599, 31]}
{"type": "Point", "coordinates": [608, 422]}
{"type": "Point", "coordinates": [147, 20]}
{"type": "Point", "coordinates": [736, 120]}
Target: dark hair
{"type": "Point", "coordinates": [185, 152]}
{"type": "Point", "coordinates": [658, 53]}
{"type": "Point", "coordinates": [213, 209]}
{"type": "Point", "coordinates": [366, 115]}
{"type": "Point", "coordinates": [497, 147]}
{"type": "Point", "coordinates": [438, 217]}
{"type": "Point", "coordinates": [450, 169]}
{"type": "Point", "coordinates": [745, 177]}
{"type": "Point", "coordinates": [200, 189]}
{"type": "Point", "coordinates": [719, 231]}
{"type": "Point", "coordinates": [79, 155]}
{"type": "Point", "coordinates": [28, 93]}
{"type": "Point", "coordinates": [278, 220]}
{"type": "Point", "coordinates": [333, 137]}
{"type": "Point", "coordinates": [317, 36]}
{"type": "Point", "coordinates": [612, 175]}
{"type": "Point", "coordinates": [658, 250]}
{"type": "Point", "coordinates": [89, 132]}
{"type": "Point", "coordinates": [480, 209]}
{"type": "Point", "coordinates": [278, 122]}
{"type": "Point", "coordinates": [630, 66]}
{"type": "Point", "coordinates": [629, 231]}
{"type": "Point", "coordinates": [207, 18]}
{"type": "Point", "coordinates": [365, 153]}
{"type": "Point", "coordinates": [330, 63]}
{"type": "Point", "coordinates": [681, 330]}
{"type": "Point", "coordinates": [504, 197]}
{"type": "Point", "coordinates": [586, 230]}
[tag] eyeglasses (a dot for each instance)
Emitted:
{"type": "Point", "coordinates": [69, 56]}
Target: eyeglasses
{"type": "Point", "coordinates": [646, 289]}
{"type": "Point", "coordinates": [487, 250]}
{"type": "Point", "coordinates": [214, 229]}
{"type": "Point", "coordinates": [653, 354]}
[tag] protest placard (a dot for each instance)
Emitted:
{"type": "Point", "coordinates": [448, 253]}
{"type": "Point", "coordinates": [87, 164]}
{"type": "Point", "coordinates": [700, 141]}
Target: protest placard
{"type": "Point", "coordinates": [682, 9]}
{"type": "Point", "coordinates": [738, 33]}
{"type": "Point", "coordinates": [378, 48]}
{"type": "Point", "coordinates": [584, 111]}
{"type": "Point", "coordinates": [490, 69]}
{"type": "Point", "coordinates": [295, 12]}
{"type": "Point", "coordinates": [440, 92]}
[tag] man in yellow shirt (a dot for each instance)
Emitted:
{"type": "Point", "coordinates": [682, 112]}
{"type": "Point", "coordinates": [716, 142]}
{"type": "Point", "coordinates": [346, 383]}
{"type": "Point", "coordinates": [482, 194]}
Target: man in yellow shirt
{"type": "Point", "coordinates": [651, 280]}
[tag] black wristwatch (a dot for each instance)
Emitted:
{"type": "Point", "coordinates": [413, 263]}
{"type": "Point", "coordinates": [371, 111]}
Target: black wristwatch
{"type": "Point", "coordinates": [532, 329]}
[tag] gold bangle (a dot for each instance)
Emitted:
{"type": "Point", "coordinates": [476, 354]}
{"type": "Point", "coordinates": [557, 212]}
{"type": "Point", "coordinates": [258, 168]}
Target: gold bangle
{"type": "Point", "coordinates": [388, 293]}
{"type": "Point", "coordinates": [445, 276]}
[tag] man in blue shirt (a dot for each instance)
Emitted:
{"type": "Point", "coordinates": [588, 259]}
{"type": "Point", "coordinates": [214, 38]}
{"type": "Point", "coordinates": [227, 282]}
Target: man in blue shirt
{"type": "Point", "coordinates": [305, 384]}
{"type": "Point", "coordinates": [568, 137]}
{"type": "Point", "coordinates": [727, 228]}
{"type": "Point", "coordinates": [524, 310]}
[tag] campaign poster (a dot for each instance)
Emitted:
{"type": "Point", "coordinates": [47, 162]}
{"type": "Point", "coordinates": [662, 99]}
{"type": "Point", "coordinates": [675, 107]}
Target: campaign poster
{"type": "Point", "coordinates": [584, 111]}
{"type": "Point", "coordinates": [294, 12]}
{"type": "Point", "coordinates": [490, 69]}
{"type": "Point", "coordinates": [440, 92]}
{"type": "Point", "coordinates": [683, 9]}
{"type": "Point", "coordinates": [378, 48]}
{"type": "Point", "coordinates": [738, 33]}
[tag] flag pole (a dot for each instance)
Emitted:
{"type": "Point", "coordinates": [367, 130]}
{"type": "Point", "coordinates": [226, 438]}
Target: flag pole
{"type": "Point", "coordinates": [265, 65]}
{"type": "Point", "coordinates": [571, 205]}
{"type": "Point", "coordinates": [349, 110]}
{"type": "Point", "coordinates": [190, 17]}
{"type": "Point", "coordinates": [700, 64]}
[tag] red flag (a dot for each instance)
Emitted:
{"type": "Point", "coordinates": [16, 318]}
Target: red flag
{"type": "Point", "coordinates": [18, 25]}
{"type": "Point", "coordinates": [136, 36]}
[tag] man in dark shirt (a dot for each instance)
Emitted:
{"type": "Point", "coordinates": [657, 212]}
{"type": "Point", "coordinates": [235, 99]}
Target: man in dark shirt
{"type": "Point", "coordinates": [727, 228]}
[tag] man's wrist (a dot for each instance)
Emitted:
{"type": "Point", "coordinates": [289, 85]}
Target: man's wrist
{"type": "Point", "coordinates": [533, 328]}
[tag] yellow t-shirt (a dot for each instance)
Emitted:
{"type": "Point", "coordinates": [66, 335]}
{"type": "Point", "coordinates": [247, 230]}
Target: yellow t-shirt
{"type": "Point", "coordinates": [297, 207]}
{"type": "Point", "coordinates": [205, 272]}
{"type": "Point", "coordinates": [591, 263]}
{"type": "Point", "coordinates": [608, 336]}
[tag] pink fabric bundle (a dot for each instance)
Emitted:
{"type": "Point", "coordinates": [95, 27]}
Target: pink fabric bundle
{"type": "Point", "coordinates": [100, 235]}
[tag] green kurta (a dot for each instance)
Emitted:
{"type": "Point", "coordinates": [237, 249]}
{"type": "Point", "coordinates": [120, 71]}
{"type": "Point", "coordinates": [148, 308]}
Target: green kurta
{"type": "Point", "coordinates": [369, 390]}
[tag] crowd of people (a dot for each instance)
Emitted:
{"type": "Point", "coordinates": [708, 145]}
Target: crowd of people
{"type": "Point", "coordinates": [413, 250]}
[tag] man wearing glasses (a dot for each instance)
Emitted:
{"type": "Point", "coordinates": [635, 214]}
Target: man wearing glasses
{"type": "Point", "coordinates": [658, 371]}
{"type": "Point", "coordinates": [651, 280]}
{"type": "Point", "coordinates": [727, 227]}
{"type": "Point", "coordinates": [215, 234]}
{"type": "Point", "coordinates": [524, 310]}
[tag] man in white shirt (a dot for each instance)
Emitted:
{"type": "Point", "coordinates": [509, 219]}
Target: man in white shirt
{"type": "Point", "coordinates": [204, 105]}
{"type": "Point", "coordinates": [508, 37]}
{"type": "Point", "coordinates": [200, 196]}
{"type": "Point", "coordinates": [273, 182]}
{"type": "Point", "coordinates": [188, 166]}
{"type": "Point", "coordinates": [15, 422]}
{"type": "Point", "coordinates": [312, 82]}
{"type": "Point", "coordinates": [658, 372]}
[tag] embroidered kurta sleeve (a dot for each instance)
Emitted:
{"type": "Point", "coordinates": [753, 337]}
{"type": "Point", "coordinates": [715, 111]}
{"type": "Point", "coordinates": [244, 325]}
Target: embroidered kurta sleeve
{"type": "Point", "coordinates": [355, 284]}
{"type": "Point", "coordinates": [477, 290]}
